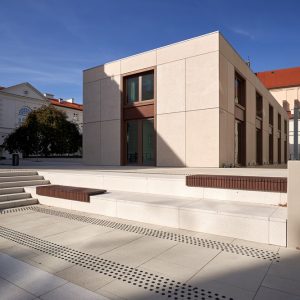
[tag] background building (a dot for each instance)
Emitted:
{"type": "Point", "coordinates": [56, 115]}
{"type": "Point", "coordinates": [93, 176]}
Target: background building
{"type": "Point", "coordinates": [195, 103]}
{"type": "Point", "coordinates": [17, 101]}
{"type": "Point", "coordinates": [284, 85]}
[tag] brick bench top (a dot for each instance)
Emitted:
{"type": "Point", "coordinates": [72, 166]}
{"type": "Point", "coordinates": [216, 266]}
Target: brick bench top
{"type": "Point", "coordinates": [68, 192]}
{"type": "Point", "coordinates": [252, 183]}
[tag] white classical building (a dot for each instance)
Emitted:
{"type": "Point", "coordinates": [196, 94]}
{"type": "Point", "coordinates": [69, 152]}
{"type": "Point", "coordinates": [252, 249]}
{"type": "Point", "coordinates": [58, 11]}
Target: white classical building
{"type": "Point", "coordinates": [284, 85]}
{"type": "Point", "coordinates": [17, 101]}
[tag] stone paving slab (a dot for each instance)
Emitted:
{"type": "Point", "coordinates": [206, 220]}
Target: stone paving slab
{"type": "Point", "coordinates": [19, 280]}
{"type": "Point", "coordinates": [232, 273]}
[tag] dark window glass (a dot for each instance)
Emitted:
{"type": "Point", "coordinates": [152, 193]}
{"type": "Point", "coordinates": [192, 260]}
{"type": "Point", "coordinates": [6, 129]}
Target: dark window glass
{"type": "Point", "coordinates": [148, 86]}
{"type": "Point", "coordinates": [239, 90]}
{"type": "Point", "coordinates": [271, 115]}
{"type": "Point", "coordinates": [132, 88]}
{"type": "Point", "coordinates": [132, 142]}
{"type": "Point", "coordinates": [148, 142]}
{"type": "Point", "coordinates": [279, 122]}
{"type": "Point", "coordinates": [259, 105]}
{"type": "Point", "coordinates": [285, 126]}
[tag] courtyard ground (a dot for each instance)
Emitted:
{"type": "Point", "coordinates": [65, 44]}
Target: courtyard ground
{"type": "Point", "coordinates": [50, 253]}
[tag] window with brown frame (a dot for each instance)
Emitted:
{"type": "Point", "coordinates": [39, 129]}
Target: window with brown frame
{"type": "Point", "coordinates": [259, 105]}
{"type": "Point", "coordinates": [139, 87]}
{"type": "Point", "coordinates": [239, 90]}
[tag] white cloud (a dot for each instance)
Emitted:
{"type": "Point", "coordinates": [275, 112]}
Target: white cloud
{"type": "Point", "coordinates": [243, 32]}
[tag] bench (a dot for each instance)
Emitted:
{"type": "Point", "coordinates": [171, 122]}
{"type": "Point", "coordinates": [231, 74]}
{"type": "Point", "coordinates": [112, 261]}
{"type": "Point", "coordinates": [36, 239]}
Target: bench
{"type": "Point", "coordinates": [250, 183]}
{"type": "Point", "coordinates": [68, 192]}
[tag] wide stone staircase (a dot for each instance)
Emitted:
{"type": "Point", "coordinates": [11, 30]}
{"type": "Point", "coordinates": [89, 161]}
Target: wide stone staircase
{"type": "Point", "coordinates": [12, 192]}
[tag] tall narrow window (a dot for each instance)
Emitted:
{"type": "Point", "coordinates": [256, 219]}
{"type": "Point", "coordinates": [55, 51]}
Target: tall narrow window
{"type": "Point", "coordinates": [285, 141]}
{"type": "Point", "coordinates": [239, 90]}
{"type": "Point", "coordinates": [271, 132]}
{"type": "Point", "coordinates": [240, 120]}
{"type": "Point", "coordinates": [279, 139]}
{"type": "Point", "coordinates": [259, 126]}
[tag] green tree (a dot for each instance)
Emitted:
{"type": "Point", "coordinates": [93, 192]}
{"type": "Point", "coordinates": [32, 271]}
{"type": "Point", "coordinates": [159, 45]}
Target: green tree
{"type": "Point", "coordinates": [45, 131]}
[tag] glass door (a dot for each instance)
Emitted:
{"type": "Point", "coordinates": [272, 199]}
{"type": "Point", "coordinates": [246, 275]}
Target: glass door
{"type": "Point", "coordinates": [140, 142]}
{"type": "Point", "coordinates": [132, 142]}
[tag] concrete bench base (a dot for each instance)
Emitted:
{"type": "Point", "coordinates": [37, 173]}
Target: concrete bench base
{"type": "Point", "coordinates": [253, 222]}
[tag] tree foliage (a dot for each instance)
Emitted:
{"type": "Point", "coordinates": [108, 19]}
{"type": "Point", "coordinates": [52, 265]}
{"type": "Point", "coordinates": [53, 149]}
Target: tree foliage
{"type": "Point", "coordinates": [45, 131]}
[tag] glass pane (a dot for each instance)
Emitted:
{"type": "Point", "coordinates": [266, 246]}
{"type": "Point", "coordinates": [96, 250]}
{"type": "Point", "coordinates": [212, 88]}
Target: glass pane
{"type": "Point", "coordinates": [148, 86]}
{"type": "Point", "coordinates": [148, 142]}
{"type": "Point", "coordinates": [132, 142]}
{"type": "Point", "coordinates": [132, 88]}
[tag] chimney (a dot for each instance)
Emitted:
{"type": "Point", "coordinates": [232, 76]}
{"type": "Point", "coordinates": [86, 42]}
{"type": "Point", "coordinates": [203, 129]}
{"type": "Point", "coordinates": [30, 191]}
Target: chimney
{"type": "Point", "coordinates": [71, 100]}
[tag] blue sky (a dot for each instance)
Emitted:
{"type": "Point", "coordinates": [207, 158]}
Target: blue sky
{"type": "Point", "coordinates": [49, 42]}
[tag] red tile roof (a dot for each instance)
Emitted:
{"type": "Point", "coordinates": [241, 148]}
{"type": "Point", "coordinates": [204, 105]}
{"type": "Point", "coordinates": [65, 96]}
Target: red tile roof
{"type": "Point", "coordinates": [66, 104]}
{"type": "Point", "coordinates": [280, 78]}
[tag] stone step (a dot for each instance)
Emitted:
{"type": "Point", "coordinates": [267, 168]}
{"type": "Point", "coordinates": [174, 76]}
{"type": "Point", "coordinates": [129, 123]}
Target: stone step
{"type": "Point", "coordinates": [23, 183]}
{"type": "Point", "coordinates": [12, 197]}
{"type": "Point", "coordinates": [17, 173]}
{"type": "Point", "coordinates": [21, 178]}
{"type": "Point", "coordinates": [18, 203]}
{"type": "Point", "coordinates": [254, 222]}
{"type": "Point", "coordinates": [12, 190]}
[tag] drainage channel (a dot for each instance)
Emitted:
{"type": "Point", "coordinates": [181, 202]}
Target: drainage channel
{"type": "Point", "coordinates": [181, 238]}
{"type": "Point", "coordinates": [145, 280]}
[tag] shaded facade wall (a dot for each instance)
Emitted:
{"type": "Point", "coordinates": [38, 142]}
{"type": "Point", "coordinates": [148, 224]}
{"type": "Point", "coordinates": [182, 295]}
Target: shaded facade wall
{"type": "Point", "coordinates": [230, 62]}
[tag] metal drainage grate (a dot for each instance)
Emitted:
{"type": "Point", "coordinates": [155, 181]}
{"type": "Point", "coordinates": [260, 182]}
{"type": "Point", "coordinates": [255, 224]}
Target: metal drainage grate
{"type": "Point", "coordinates": [13, 210]}
{"type": "Point", "coordinates": [157, 284]}
{"type": "Point", "coordinates": [181, 238]}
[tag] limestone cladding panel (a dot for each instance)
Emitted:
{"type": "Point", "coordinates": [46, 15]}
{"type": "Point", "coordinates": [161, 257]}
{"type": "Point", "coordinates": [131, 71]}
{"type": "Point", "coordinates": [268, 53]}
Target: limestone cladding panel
{"type": "Point", "coordinates": [91, 143]}
{"type": "Point", "coordinates": [225, 83]}
{"type": "Point", "coordinates": [91, 102]}
{"type": "Point", "coordinates": [202, 81]}
{"type": "Point", "coordinates": [137, 62]}
{"type": "Point", "coordinates": [110, 142]}
{"type": "Point", "coordinates": [110, 98]}
{"type": "Point", "coordinates": [193, 47]}
{"type": "Point", "coordinates": [231, 55]}
{"type": "Point", "coordinates": [171, 87]}
{"type": "Point", "coordinates": [226, 138]}
{"type": "Point", "coordinates": [202, 138]}
{"type": "Point", "coordinates": [171, 139]}
{"type": "Point", "coordinates": [103, 71]}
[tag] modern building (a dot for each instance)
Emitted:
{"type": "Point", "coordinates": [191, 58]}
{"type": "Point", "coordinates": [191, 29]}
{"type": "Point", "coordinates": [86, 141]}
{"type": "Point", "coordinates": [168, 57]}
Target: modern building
{"type": "Point", "coordinates": [17, 101]}
{"type": "Point", "coordinates": [195, 103]}
{"type": "Point", "coordinates": [284, 85]}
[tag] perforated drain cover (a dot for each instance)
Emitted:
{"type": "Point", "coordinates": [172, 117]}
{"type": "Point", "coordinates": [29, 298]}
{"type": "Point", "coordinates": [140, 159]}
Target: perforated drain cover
{"type": "Point", "coordinates": [148, 281]}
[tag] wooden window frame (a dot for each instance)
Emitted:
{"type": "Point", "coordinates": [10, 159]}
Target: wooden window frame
{"type": "Point", "coordinates": [142, 109]}
{"type": "Point", "coordinates": [138, 74]}
{"type": "Point", "coordinates": [240, 116]}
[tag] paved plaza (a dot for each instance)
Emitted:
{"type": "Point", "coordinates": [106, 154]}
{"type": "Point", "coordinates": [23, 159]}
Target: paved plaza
{"type": "Point", "coordinates": [50, 253]}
